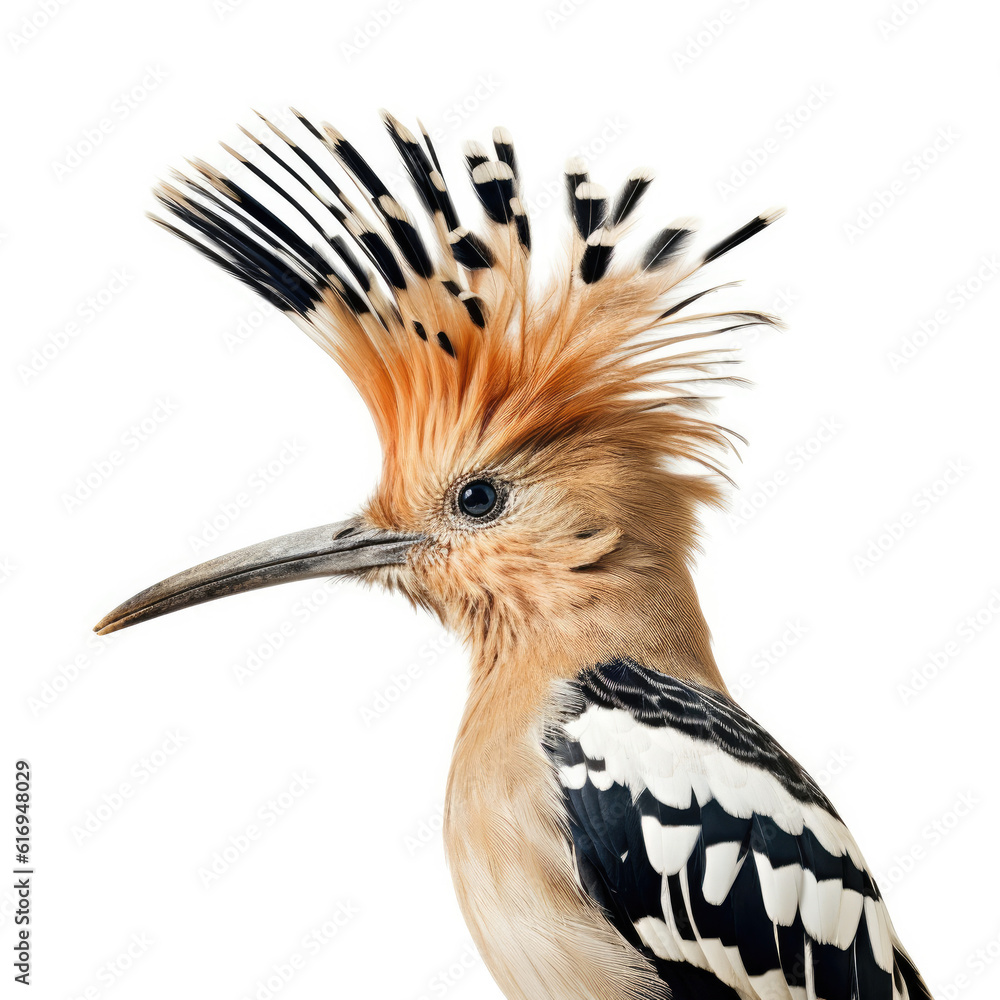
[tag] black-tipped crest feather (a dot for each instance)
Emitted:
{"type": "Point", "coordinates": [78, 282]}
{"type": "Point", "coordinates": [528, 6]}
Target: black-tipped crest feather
{"type": "Point", "coordinates": [377, 265]}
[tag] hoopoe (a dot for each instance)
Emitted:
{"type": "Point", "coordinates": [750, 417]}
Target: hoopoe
{"type": "Point", "coordinates": [616, 825]}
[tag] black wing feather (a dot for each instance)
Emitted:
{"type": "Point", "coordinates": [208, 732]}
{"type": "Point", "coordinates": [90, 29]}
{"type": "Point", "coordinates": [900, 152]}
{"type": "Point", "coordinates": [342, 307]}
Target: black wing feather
{"type": "Point", "coordinates": [606, 822]}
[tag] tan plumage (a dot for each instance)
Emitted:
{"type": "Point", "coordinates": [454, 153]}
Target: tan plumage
{"type": "Point", "coordinates": [567, 412]}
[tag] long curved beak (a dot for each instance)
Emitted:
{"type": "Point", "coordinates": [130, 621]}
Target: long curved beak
{"type": "Point", "coordinates": [332, 549]}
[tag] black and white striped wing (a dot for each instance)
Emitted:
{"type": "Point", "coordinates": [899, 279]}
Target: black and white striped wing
{"type": "Point", "coordinates": [712, 850]}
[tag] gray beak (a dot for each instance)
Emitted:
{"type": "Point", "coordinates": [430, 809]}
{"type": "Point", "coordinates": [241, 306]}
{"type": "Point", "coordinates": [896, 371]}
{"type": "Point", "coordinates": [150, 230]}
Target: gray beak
{"type": "Point", "coordinates": [333, 549]}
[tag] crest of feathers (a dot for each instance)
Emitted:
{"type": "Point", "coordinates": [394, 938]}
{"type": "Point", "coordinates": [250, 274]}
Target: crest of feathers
{"type": "Point", "coordinates": [435, 323]}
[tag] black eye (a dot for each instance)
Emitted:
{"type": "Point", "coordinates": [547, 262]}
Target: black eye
{"type": "Point", "coordinates": [477, 499]}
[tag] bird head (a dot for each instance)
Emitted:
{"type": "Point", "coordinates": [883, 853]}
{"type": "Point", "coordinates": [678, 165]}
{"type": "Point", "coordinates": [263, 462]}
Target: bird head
{"type": "Point", "coordinates": [539, 488]}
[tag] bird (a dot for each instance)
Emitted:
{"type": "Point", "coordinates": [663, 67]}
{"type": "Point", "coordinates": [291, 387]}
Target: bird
{"type": "Point", "coordinates": [617, 827]}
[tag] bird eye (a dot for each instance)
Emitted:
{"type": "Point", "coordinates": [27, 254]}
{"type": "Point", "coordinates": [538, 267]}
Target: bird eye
{"type": "Point", "coordinates": [478, 498]}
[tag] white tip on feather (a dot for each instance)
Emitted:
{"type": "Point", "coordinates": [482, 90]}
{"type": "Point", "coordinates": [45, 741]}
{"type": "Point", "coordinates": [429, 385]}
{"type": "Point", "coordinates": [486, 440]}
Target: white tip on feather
{"type": "Point", "coordinates": [277, 131]}
{"type": "Point", "coordinates": [668, 847]}
{"type": "Point", "coordinates": [722, 865]}
{"type": "Point", "coordinates": [590, 191]}
{"type": "Point", "coordinates": [879, 933]}
{"type": "Point", "coordinates": [232, 152]}
{"type": "Point", "coordinates": [250, 135]}
{"type": "Point", "coordinates": [397, 126]}
{"type": "Point", "coordinates": [331, 133]}
{"type": "Point", "coordinates": [492, 170]}
{"type": "Point", "coordinates": [601, 237]}
{"type": "Point", "coordinates": [474, 149]}
{"type": "Point", "coordinates": [779, 888]}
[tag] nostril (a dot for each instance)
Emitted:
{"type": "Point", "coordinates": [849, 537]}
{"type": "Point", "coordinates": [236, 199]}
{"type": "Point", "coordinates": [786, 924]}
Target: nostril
{"type": "Point", "coordinates": [344, 533]}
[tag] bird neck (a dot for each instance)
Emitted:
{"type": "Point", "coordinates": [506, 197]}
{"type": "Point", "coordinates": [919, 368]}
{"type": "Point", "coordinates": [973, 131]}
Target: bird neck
{"type": "Point", "coordinates": [648, 612]}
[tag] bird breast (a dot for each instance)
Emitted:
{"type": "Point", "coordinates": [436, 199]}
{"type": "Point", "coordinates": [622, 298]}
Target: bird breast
{"type": "Point", "coordinates": [511, 861]}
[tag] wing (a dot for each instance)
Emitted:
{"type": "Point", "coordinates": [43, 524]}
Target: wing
{"type": "Point", "coordinates": [713, 852]}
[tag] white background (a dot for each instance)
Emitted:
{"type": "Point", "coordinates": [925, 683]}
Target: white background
{"type": "Point", "coordinates": [875, 123]}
